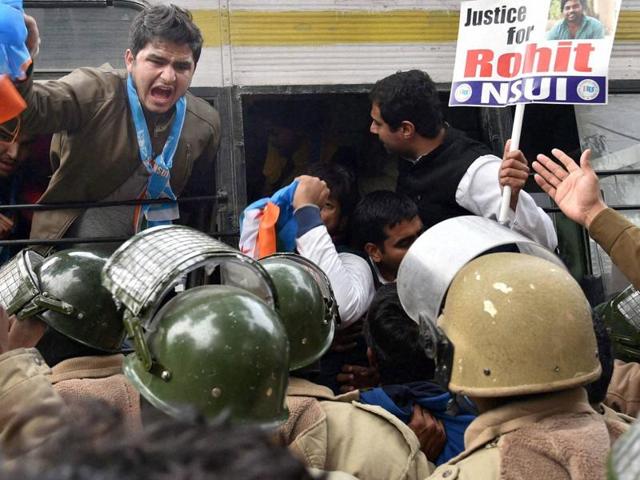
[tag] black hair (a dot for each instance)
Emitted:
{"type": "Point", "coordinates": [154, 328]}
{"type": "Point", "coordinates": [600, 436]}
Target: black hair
{"type": "Point", "coordinates": [341, 180]}
{"type": "Point", "coordinates": [597, 390]}
{"type": "Point", "coordinates": [92, 443]}
{"type": "Point", "coordinates": [395, 340]}
{"type": "Point", "coordinates": [166, 22]}
{"type": "Point", "coordinates": [409, 96]}
{"type": "Point", "coordinates": [56, 347]}
{"type": "Point", "coordinates": [375, 212]}
{"type": "Point", "coordinates": [563, 2]}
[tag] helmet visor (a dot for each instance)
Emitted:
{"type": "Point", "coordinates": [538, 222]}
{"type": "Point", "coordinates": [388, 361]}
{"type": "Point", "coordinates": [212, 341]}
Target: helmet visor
{"type": "Point", "coordinates": [18, 281]}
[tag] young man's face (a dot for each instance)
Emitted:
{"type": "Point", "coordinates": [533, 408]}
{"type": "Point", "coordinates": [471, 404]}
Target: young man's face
{"type": "Point", "coordinates": [331, 214]}
{"type": "Point", "coordinates": [573, 11]}
{"type": "Point", "coordinates": [162, 72]}
{"type": "Point", "coordinates": [399, 238]}
{"type": "Point", "coordinates": [393, 141]}
{"type": "Point", "coordinates": [8, 157]}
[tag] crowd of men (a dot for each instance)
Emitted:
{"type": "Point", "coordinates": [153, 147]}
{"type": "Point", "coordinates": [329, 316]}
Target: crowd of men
{"type": "Point", "coordinates": [299, 364]}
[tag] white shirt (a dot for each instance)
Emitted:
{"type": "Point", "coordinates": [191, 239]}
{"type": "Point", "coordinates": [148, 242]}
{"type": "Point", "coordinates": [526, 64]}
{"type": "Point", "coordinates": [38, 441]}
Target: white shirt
{"type": "Point", "coordinates": [479, 192]}
{"type": "Point", "coordinates": [349, 275]}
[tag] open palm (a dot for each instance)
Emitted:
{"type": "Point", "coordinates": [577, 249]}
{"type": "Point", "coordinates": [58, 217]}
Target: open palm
{"type": "Point", "coordinates": [574, 188]}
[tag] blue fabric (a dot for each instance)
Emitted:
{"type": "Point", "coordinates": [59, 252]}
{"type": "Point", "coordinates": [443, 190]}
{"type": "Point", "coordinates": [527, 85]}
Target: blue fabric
{"type": "Point", "coordinates": [307, 218]}
{"type": "Point", "coordinates": [286, 226]}
{"type": "Point", "coordinates": [160, 167]}
{"type": "Point", "coordinates": [400, 399]}
{"type": "Point", "coordinates": [13, 34]}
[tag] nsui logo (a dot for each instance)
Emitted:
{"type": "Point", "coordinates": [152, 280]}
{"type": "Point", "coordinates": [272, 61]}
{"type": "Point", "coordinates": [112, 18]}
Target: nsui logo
{"type": "Point", "coordinates": [463, 92]}
{"type": "Point", "coordinates": [588, 89]}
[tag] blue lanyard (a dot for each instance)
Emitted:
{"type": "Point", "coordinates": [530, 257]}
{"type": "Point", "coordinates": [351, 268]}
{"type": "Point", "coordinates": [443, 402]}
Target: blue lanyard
{"type": "Point", "coordinates": [159, 168]}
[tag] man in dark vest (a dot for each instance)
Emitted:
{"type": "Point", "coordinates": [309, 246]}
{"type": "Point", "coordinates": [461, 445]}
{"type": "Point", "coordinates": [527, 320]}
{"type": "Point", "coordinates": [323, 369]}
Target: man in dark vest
{"type": "Point", "coordinates": [446, 173]}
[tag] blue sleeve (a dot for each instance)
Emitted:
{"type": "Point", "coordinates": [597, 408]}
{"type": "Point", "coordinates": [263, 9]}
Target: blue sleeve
{"type": "Point", "coordinates": [307, 217]}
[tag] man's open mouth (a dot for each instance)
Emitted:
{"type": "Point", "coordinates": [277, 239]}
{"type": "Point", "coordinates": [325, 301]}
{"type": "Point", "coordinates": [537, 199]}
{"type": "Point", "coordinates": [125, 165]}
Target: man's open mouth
{"type": "Point", "coordinates": [160, 92]}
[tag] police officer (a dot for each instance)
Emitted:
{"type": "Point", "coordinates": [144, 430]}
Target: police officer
{"type": "Point", "coordinates": [329, 432]}
{"type": "Point", "coordinates": [73, 323]}
{"type": "Point", "coordinates": [507, 342]}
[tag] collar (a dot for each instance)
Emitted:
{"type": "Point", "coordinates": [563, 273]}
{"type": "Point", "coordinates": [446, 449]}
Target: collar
{"type": "Point", "coordinates": [299, 387]}
{"type": "Point", "coordinates": [433, 153]}
{"type": "Point", "coordinates": [87, 367]}
{"type": "Point", "coordinates": [512, 416]}
{"type": "Point", "coordinates": [376, 270]}
{"type": "Point", "coordinates": [159, 124]}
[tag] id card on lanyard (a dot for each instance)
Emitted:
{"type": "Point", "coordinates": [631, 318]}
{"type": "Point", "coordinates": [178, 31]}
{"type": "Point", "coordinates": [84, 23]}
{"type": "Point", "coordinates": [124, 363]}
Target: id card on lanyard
{"type": "Point", "coordinates": [159, 168]}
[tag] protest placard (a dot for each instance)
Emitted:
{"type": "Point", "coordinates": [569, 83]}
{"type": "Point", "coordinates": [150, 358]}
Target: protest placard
{"type": "Point", "coordinates": [519, 51]}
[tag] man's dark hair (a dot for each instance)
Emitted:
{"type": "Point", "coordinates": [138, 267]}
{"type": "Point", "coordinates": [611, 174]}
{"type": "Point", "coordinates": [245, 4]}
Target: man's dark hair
{"type": "Point", "coordinates": [93, 443]}
{"type": "Point", "coordinates": [409, 96]}
{"type": "Point", "coordinates": [597, 390]}
{"type": "Point", "coordinates": [395, 340]}
{"type": "Point", "coordinates": [341, 181]}
{"type": "Point", "coordinates": [375, 212]}
{"type": "Point", "coordinates": [56, 347]}
{"type": "Point", "coordinates": [166, 22]}
{"type": "Point", "coordinates": [563, 2]}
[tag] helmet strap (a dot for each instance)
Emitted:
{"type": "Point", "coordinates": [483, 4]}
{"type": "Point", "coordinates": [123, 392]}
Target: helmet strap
{"type": "Point", "coordinates": [134, 330]}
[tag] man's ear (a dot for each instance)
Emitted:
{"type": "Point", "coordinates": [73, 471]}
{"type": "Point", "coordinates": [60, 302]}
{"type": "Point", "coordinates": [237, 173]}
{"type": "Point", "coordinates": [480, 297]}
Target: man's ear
{"type": "Point", "coordinates": [373, 251]}
{"type": "Point", "coordinates": [408, 129]}
{"type": "Point", "coordinates": [129, 58]}
{"type": "Point", "coordinates": [371, 356]}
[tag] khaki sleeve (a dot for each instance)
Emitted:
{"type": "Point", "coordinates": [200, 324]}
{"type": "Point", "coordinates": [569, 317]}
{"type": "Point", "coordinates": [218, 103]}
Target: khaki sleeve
{"type": "Point", "coordinates": [623, 394]}
{"type": "Point", "coordinates": [66, 104]}
{"type": "Point", "coordinates": [30, 410]}
{"type": "Point", "coordinates": [621, 240]}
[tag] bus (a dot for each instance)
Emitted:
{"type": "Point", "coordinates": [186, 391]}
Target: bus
{"type": "Point", "coordinates": [303, 68]}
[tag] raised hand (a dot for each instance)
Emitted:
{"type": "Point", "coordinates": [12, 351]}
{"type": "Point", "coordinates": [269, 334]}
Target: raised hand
{"type": "Point", "coordinates": [514, 172]}
{"type": "Point", "coordinates": [430, 432]}
{"type": "Point", "coordinates": [575, 189]}
{"type": "Point", "coordinates": [310, 190]}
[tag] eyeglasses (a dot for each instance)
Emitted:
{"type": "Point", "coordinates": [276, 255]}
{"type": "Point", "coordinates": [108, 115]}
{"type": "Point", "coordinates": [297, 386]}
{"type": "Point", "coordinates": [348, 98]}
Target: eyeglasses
{"type": "Point", "coordinates": [10, 136]}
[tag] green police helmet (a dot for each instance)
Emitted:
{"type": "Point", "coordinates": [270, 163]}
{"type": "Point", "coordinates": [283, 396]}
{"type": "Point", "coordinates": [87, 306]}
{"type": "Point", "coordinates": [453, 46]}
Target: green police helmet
{"type": "Point", "coordinates": [622, 318]}
{"type": "Point", "coordinates": [306, 306]}
{"type": "Point", "coordinates": [72, 301]}
{"type": "Point", "coordinates": [218, 349]}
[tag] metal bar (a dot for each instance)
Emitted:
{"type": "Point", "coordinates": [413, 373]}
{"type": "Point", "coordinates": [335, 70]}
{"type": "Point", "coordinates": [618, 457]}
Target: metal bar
{"type": "Point", "coordinates": [65, 3]}
{"type": "Point", "coordinates": [68, 241]}
{"type": "Point", "coordinates": [609, 173]}
{"type": "Point", "coordinates": [613, 207]}
{"type": "Point", "coordinates": [221, 198]}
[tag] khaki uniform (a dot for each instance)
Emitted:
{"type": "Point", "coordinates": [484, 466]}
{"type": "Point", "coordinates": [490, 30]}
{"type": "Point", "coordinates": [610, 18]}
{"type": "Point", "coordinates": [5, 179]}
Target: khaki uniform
{"type": "Point", "coordinates": [99, 377]}
{"type": "Point", "coordinates": [335, 434]}
{"type": "Point", "coordinates": [611, 415]}
{"type": "Point", "coordinates": [623, 394]}
{"type": "Point", "coordinates": [621, 240]}
{"type": "Point", "coordinates": [25, 384]}
{"type": "Point", "coordinates": [551, 436]}
{"type": "Point", "coordinates": [96, 151]}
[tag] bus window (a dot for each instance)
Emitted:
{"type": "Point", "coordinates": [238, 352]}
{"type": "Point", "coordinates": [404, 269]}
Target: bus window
{"type": "Point", "coordinates": [285, 134]}
{"type": "Point", "coordinates": [611, 132]}
{"type": "Point", "coordinates": [81, 36]}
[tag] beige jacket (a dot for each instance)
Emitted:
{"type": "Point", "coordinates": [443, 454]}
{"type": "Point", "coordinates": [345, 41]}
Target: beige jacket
{"type": "Point", "coordinates": [555, 436]}
{"type": "Point", "coordinates": [98, 377]}
{"type": "Point", "coordinates": [24, 385]}
{"type": "Point", "coordinates": [621, 240]}
{"type": "Point", "coordinates": [95, 151]}
{"type": "Point", "coordinates": [335, 434]}
{"type": "Point", "coordinates": [623, 394]}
